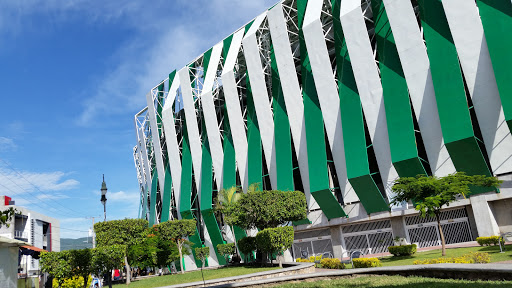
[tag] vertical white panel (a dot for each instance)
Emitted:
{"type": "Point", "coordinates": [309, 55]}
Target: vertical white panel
{"type": "Point", "coordinates": [468, 35]}
{"type": "Point", "coordinates": [191, 122]}
{"type": "Point", "coordinates": [236, 120]}
{"type": "Point", "coordinates": [369, 86]}
{"type": "Point", "coordinates": [210, 117]}
{"type": "Point", "coordinates": [147, 167]}
{"type": "Point", "coordinates": [327, 93]}
{"type": "Point", "coordinates": [159, 160]}
{"type": "Point", "coordinates": [416, 67]}
{"type": "Point", "coordinates": [260, 96]}
{"type": "Point", "coordinates": [173, 150]}
{"type": "Point", "coordinates": [291, 92]}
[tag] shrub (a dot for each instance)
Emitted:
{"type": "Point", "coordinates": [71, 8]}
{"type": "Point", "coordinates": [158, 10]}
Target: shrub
{"type": "Point", "coordinates": [226, 250]}
{"type": "Point", "coordinates": [487, 241]}
{"type": "Point", "coordinates": [247, 244]}
{"type": "Point", "coordinates": [315, 258]}
{"type": "Point", "coordinates": [75, 282]}
{"type": "Point", "coordinates": [470, 258]}
{"type": "Point", "coordinates": [332, 263]}
{"type": "Point", "coordinates": [404, 250]}
{"type": "Point", "coordinates": [366, 262]}
{"type": "Point", "coordinates": [301, 260]}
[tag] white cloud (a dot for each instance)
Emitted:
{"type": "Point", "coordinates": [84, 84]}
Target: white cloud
{"type": "Point", "coordinates": [122, 196]}
{"type": "Point", "coordinates": [22, 182]}
{"type": "Point", "coordinates": [7, 144]}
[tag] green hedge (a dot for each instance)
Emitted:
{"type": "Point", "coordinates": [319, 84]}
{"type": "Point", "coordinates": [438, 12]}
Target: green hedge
{"type": "Point", "coordinates": [366, 262]}
{"type": "Point", "coordinates": [332, 263]}
{"type": "Point", "coordinates": [487, 241]}
{"type": "Point", "coordinates": [403, 250]}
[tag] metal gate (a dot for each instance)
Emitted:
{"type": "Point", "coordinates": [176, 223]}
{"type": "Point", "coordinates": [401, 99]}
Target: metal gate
{"type": "Point", "coordinates": [311, 243]}
{"type": "Point", "coordinates": [424, 231]}
{"type": "Point", "coordinates": [370, 238]}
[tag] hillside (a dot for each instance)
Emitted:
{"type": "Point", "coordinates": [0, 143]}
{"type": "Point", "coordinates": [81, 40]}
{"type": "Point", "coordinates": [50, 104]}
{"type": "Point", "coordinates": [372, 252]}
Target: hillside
{"type": "Point", "coordinates": [79, 243]}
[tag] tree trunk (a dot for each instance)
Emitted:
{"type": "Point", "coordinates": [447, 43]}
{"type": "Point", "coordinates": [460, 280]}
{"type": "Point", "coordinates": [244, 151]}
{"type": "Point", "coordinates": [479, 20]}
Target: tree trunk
{"type": "Point", "coordinates": [443, 243]}
{"type": "Point", "coordinates": [234, 238]}
{"type": "Point", "coordinates": [181, 259]}
{"type": "Point", "coordinates": [86, 279]}
{"type": "Point", "coordinates": [280, 259]}
{"type": "Point", "coordinates": [110, 279]}
{"type": "Point", "coordinates": [128, 270]}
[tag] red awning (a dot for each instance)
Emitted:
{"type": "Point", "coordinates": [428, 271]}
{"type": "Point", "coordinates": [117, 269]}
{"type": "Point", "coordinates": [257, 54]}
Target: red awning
{"type": "Point", "coordinates": [32, 248]}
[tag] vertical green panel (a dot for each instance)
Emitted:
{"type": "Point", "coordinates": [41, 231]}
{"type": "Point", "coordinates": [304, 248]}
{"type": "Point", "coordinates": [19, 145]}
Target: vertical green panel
{"type": "Point", "coordinates": [206, 198]}
{"type": "Point", "coordinates": [354, 139]}
{"type": "Point", "coordinates": [166, 205]}
{"type": "Point", "coordinates": [186, 188]}
{"type": "Point", "coordinates": [225, 47]}
{"type": "Point", "coordinates": [282, 135]}
{"type": "Point", "coordinates": [450, 94]}
{"type": "Point", "coordinates": [152, 208]}
{"type": "Point", "coordinates": [206, 60]}
{"type": "Point", "coordinates": [402, 139]}
{"type": "Point", "coordinates": [254, 157]}
{"type": "Point", "coordinates": [229, 173]}
{"type": "Point", "coordinates": [496, 18]}
{"type": "Point", "coordinates": [315, 134]}
{"type": "Point", "coordinates": [144, 205]}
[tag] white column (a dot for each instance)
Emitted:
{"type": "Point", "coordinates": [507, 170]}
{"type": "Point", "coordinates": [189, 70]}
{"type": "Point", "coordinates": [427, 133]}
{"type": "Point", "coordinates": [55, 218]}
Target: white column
{"type": "Point", "coordinates": [159, 160]}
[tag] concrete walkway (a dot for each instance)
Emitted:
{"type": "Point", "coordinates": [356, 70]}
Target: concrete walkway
{"type": "Point", "coordinates": [457, 271]}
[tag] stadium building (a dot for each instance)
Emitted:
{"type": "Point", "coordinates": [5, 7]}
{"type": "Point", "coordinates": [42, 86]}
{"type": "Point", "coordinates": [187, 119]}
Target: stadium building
{"type": "Point", "coordinates": [338, 99]}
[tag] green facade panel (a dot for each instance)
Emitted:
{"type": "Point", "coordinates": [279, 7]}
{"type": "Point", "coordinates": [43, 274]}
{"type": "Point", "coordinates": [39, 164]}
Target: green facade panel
{"type": "Point", "coordinates": [354, 139]}
{"type": "Point", "coordinates": [152, 201]}
{"type": "Point", "coordinates": [186, 189]}
{"type": "Point", "coordinates": [207, 200]}
{"type": "Point", "coordinates": [254, 156]}
{"type": "Point", "coordinates": [496, 16]}
{"type": "Point", "coordinates": [283, 142]}
{"type": "Point", "coordinates": [402, 139]}
{"type": "Point", "coordinates": [450, 94]}
{"type": "Point", "coordinates": [315, 133]}
{"type": "Point", "coordinates": [166, 202]}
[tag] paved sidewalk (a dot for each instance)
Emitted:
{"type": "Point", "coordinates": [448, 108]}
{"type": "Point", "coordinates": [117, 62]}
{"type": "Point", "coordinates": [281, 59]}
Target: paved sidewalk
{"type": "Point", "coordinates": [467, 271]}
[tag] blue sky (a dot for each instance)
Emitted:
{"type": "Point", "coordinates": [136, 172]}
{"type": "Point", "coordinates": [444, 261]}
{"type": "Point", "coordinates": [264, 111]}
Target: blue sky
{"type": "Point", "coordinates": [73, 74]}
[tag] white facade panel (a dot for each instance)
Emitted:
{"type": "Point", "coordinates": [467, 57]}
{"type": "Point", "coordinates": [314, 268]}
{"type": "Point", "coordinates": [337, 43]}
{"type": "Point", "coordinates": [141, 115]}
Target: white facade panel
{"type": "Point", "coordinates": [261, 97]}
{"type": "Point", "coordinates": [173, 150]}
{"type": "Point", "coordinates": [369, 87]}
{"type": "Point", "coordinates": [292, 93]}
{"type": "Point", "coordinates": [468, 35]}
{"type": "Point", "coordinates": [416, 67]}
{"type": "Point", "coordinates": [236, 121]}
{"type": "Point", "coordinates": [327, 93]}
{"type": "Point", "coordinates": [159, 160]}
{"type": "Point", "coordinates": [210, 117]}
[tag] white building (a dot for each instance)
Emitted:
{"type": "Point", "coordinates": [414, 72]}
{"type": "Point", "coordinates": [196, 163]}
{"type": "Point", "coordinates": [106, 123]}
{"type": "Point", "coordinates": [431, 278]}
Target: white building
{"type": "Point", "coordinates": [34, 228]}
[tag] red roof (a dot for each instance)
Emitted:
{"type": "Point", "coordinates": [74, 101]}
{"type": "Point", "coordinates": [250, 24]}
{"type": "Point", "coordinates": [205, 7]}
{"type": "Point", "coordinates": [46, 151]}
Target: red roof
{"type": "Point", "coordinates": [32, 248]}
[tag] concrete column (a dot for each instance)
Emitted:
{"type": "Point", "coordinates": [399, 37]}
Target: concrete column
{"type": "Point", "coordinates": [486, 224]}
{"type": "Point", "coordinates": [338, 246]}
{"type": "Point", "coordinates": [398, 227]}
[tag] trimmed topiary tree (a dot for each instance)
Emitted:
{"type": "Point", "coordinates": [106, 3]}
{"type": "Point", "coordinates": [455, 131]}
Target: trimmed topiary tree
{"type": "Point", "coordinates": [275, 240]}
{"type": "Point", "coordinates": [227, 250]}
{"type": "Point", "coordinates": [247, 245]}
{"type": "Point", "coordinates": [177, 231]}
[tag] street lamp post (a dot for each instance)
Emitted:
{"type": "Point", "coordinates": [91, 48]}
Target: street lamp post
{"type": "Point", "coordinates": [104, 197]}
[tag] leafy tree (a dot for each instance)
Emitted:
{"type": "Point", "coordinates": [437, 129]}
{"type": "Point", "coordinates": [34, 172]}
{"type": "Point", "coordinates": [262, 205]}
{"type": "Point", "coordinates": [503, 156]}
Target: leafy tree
{"type": "Point", "coordinates": [177, 231]}
{"type": "Point", "coordinates": [268, 209]}
{"type": "Point", "coordinates": [154, 251]}
{"type": "Point", "coordinates": [247, 245]}
{"type": "Point", "coordinates": [430, 193]}
{"type": "Point", "coordinates": [275, 240]}
{"type": "Point", "coordinates": [57, 264]}
{"type": "Point", "coordinates": [6, 216]}
{"type": "Point", "coordinates": [227, 250]}
{"type": "Point", "coordinates": [106, 258]}
{"type": "Point", "coordinates": [202, 254]}
{"type": "Point", "coordinates": [226, 199]}
{"type": "Point", "coordinates": [81, 264]}
{"type": "Point", "coordinates": [125, 232]}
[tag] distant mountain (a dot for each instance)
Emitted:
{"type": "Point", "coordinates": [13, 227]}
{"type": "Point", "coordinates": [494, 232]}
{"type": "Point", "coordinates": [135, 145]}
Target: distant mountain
{"type": "Point", "coordinates": [71, 244]}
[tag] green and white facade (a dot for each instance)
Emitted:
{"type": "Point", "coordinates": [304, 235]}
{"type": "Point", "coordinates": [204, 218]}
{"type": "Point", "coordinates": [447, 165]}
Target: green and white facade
{"type": "Point", "coordinates": [338, 98]}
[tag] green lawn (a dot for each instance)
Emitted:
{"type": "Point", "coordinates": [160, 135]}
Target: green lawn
{"type": "Point", "coordinates": [195, 276]}
{"type": "Point", "coordinates": [396, 281]}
